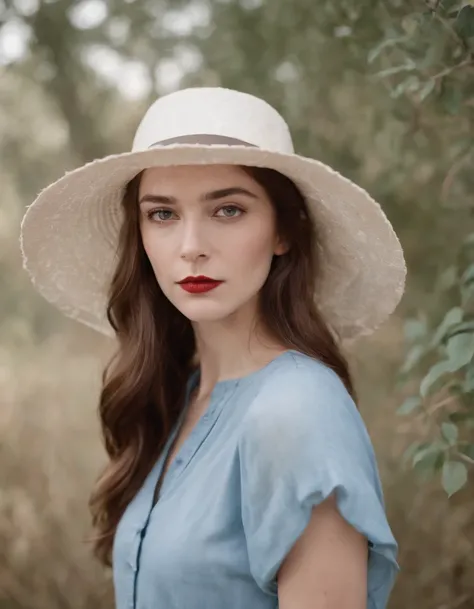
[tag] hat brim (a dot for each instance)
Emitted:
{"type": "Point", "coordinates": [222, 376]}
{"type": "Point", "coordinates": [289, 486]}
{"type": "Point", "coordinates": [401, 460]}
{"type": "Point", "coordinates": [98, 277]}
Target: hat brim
{"type": "Point", "coordinates": [69, 234]}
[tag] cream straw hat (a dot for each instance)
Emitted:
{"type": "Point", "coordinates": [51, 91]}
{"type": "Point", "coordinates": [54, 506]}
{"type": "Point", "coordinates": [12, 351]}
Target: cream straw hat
{"type": "Point", "coordinates": [70, 232]}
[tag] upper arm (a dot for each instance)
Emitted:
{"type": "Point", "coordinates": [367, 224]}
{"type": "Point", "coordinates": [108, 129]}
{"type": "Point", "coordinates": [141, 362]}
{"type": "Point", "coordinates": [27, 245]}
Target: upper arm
{"type": "Point", "coordinates": [327, 566]}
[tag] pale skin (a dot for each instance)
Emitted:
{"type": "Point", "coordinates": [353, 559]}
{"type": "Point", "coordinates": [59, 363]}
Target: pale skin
{"type": "Point", "coordinates": [218, 222]}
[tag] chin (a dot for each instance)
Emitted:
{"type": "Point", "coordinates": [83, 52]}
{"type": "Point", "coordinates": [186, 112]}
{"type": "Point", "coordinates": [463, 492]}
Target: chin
{"type": "Point", "coordinates": [197, 316]}
{"type": "Point", "coordinates": [205, 311]}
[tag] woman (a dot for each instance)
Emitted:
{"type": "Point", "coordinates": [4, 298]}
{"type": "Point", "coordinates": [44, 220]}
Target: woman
{"type": "Point", "coordinates": [230, 270]}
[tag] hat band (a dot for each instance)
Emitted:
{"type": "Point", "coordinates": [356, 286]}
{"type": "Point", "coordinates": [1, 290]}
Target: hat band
{"type": "Point", "coordinates": [203, 139]}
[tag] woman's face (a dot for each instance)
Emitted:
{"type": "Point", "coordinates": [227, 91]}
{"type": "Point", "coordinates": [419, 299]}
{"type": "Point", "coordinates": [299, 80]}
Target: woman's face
{"type": "Point", "coordinates": [207, 220]}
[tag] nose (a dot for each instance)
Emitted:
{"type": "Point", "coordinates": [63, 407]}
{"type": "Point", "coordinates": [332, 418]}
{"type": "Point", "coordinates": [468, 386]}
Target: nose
{"type": "Point", "coordinates": [193, 244]}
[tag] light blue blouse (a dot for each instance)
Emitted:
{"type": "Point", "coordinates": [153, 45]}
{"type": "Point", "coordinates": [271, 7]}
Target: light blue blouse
{"type": "Point", "coordinates": [239, 493]}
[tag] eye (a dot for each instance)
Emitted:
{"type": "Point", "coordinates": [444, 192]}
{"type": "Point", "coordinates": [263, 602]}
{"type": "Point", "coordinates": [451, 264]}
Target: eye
{"type": "Point", "coordinates": [160, 215]}
{"type": "Point", "coordinates": [230, 211]}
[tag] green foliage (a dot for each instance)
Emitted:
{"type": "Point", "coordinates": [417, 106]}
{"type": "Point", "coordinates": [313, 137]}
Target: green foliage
{"type": "Point", "coordinates": [444, 354]}
{"type": "Point", "coordinates": [428, 64]}
{"type": "Point", "coordinates": [454, 476]}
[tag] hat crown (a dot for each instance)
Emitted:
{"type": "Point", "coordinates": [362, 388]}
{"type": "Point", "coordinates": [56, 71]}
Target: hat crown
{"type": "Point", "coordinates": [214, 111]}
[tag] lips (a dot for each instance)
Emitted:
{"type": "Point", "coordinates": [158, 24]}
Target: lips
{"type": "Point", "coordinates": [199, 284]}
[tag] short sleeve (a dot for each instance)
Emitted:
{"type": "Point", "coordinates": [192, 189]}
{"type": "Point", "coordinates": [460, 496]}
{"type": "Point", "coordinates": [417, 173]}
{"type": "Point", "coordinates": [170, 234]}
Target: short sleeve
{"type": "Point", "coordinates": [303, 439]}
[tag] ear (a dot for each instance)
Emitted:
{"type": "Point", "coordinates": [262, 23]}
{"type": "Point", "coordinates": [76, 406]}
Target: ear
{"type": "Point", "coordinates": [281, 247]}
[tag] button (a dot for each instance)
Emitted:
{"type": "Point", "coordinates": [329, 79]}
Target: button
{"type": "Point", "coordinates": [179, 461]}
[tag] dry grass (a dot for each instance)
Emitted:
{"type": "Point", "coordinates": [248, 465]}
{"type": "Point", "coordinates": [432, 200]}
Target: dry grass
{"type": "Point", "coordinates": [50, 455]}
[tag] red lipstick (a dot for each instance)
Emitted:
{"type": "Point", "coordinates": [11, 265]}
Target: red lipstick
{"type": "Point", "coordinates": [199, 284]}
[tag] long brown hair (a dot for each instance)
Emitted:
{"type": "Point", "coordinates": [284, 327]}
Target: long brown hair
{"type": "Point", "coordinates": [143, 384]}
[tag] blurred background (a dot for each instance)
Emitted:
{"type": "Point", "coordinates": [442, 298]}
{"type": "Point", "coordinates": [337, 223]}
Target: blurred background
{"type": "Point", "coordinates": [381, 90]}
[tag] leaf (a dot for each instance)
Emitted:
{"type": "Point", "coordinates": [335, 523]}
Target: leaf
{"type": "Point", "coordinates": [409, 85]}
{"type": "Point", "coordinates": [468, 274]}
{"type": "Point", "coordinates": [453, 477]}
{"type": "Point", "coordinates": [405, 67]}
{"type": "Point", "coordinates": [413, 357]}
{"type": "Point", "coordinates": [460, 350]}
{"type": "Point", "coordinates": [464, 24]}
{"type": "Point", "coordinates": [426, 90]}
{"type": "Point", "coordinates": [429, 458]}
{"type": "Point", "coordinates": [447, 279]}
{"type": "Point", "coordinates": [430, 464]}
{"type": "Point", "coordinates": [413, 448]}
{"type": "Point", "coordinates": [448, 4]}
{"type": "Point", "coordinates": [468, 450]}
{"type": "Point", "coordinates": [409, 405]}
{"type": "Point", "coordinates": [465, 326]}
{"type": "Point", "coordinates": [415, 329]}
{"type": "Point", "coordinates": [434, 374]}
{"type": "Point", "coordinates": [450, 433]}
{"type": "Point", "coordinates": [423, 452]}
{"type": "Point", "coordinates": [388, 42]}
{"type": "Point", "coordinates": [453, 316]}
{"type": "Point", "coordinates": [467, 294]}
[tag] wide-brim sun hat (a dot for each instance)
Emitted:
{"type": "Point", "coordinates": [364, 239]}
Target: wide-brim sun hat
{"type": "Point", "coordinates": [69, 234]}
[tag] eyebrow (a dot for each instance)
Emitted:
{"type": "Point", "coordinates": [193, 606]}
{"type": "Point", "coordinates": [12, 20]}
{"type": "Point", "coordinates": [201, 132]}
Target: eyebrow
{"type": "Point", "coordinates": [214, 195]}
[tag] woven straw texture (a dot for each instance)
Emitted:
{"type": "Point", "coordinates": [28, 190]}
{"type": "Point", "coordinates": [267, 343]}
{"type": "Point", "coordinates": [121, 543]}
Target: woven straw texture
{"type": "Point", "coordinates": [69, 234]}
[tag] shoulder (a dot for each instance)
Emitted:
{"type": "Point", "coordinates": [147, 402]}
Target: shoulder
{"type": "Point", "coordinates": [303, 373]}
{"type": "Point", "coordinates": [299, 387]}
{"type": "Point", "coordinates": [302, 405]}
{"type": "Point", "coordinates": [303, 413]}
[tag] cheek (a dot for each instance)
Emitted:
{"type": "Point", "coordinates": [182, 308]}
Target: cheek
{"type": "Point", "coordinates": [253, 253]}
{"type": "Point", "coordinates": [156, 251]}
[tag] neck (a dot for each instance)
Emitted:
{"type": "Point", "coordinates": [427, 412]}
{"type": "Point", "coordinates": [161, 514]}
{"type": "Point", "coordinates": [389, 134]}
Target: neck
{"type": "Point", "coordinates": [232, 348]}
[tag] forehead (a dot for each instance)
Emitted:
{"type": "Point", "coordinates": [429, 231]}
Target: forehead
{"type": "Point", "coordinates": [194, 180]}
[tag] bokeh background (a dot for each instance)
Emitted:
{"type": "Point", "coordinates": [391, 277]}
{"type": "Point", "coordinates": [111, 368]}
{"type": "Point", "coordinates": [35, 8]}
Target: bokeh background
{"type": "Point", "coordinates": [381, 90]}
